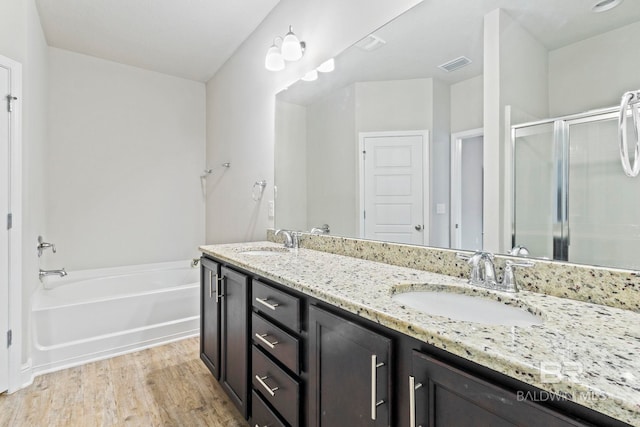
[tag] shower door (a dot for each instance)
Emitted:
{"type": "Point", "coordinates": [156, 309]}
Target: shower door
{"type": "Point", "coordinates": [571, 199]}
{"type": "Point", "coordinates": [535, 189]}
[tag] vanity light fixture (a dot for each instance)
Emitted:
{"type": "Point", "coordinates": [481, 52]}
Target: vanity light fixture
{"type": "Point", "coordinates": [310, 76]}
{"type": "Point", "coordinates": [291, 49]}
{"type": "Point", "coordinates": [327, 66]}
{"type": "Point", "coordinates": [604, 5]}
{"type": "Point", "coordinates": [274, 60]}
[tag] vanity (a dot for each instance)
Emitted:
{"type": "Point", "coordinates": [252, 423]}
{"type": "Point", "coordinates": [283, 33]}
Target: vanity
{"type": "Point", "coordinates": [306, 337]}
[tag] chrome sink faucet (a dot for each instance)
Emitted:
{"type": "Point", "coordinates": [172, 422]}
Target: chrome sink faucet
{"type": "Point", "coordinates": [291, 239]}
{"type": "Point", "coordinates": [483, 271]}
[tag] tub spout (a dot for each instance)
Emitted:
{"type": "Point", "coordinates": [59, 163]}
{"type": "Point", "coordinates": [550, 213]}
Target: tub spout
{"type": "Point", "coordinates": [44, 273]}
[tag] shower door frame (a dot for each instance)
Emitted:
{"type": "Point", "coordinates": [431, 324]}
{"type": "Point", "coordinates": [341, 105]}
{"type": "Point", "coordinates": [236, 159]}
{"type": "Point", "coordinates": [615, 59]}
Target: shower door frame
{"type": "Point", "coordinates": [561, 138]}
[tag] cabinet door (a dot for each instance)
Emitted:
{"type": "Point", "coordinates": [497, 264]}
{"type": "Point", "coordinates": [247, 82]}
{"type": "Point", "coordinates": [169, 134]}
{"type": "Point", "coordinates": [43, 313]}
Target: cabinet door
{"type": "Point", "coordinates": [234, 344]}
{"type": "Point", "coordinates": [443, 396]}
{"type": "Point", "coordinates": [210, 316]}
{"type": "Point", "coordinates": [349, 373]}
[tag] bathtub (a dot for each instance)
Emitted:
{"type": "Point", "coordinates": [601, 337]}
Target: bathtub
{"type": "Point", "coordinates": [95, 314]}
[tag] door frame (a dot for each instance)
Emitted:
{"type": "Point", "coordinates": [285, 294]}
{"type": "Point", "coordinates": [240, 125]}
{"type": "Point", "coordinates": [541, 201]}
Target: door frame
{"type": "Point", "coordinates": [14, 303]}
{"type": "Point", "coordinates": [455, 215]}
{"type": "Point", "coordinates": [426, 173]}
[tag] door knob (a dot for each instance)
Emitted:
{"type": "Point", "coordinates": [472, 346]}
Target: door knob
{"type": "Point", "coordinates": [418, 227]}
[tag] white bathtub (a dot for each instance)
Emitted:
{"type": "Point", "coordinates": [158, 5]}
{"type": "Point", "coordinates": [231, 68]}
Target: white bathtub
{"type": "Point", "coordinates": [95, 314]}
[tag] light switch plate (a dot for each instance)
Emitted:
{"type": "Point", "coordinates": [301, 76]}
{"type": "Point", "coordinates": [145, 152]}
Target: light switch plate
{"type": "Point", "coordinates": [441, 208]}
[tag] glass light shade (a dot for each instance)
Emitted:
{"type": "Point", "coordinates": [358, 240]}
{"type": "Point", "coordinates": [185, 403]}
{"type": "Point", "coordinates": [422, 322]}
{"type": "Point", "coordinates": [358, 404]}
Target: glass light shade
{"type": "Point", "coordinates": [273, 60]}
{"type": "Point", "coordinates": [327, 66]}
{"type": "Point", "coordinates": [310, 76]}
{"type": "Point", "coordinates": [291, 47]}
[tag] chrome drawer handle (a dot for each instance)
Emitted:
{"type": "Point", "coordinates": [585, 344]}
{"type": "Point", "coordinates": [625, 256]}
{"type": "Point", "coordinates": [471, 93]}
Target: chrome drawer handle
{"type": "Point", "coordinates": [219, 294]}
{"type": "Point", "coordinates": [267, 304]}
{"type": "Point", "coordinates": [412, 400]}
{"type": "Point", "coordinates": [210, 283]}
{"type": "Point", "coordinates": [265, 341]}
{"type": "Point", "coordinates": [374, 382]}
{"type": "Point", "coordinates": [270, 390]}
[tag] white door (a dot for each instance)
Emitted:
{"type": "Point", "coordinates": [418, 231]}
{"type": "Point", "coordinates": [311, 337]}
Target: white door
{"type": "Point", "coordinates": [5, 158]}
{"type": "Point", "coordinates": [393, 189]}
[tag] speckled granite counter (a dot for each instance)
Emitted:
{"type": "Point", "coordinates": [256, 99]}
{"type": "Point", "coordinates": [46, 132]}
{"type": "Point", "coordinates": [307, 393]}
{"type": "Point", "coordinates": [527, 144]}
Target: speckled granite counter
{"type": "Point", "coordinates": [596, 348]}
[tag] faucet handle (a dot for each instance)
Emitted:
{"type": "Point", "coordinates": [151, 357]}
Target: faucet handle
{"type": "Point", "coordinates": [42, 245]}
{"type": "Point", "coordinates": [509, 283]}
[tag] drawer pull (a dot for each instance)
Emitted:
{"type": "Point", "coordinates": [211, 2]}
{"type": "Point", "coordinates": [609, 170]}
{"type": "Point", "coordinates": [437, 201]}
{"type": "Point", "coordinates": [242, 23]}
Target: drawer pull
{"type": "Point", "coordinates": [219, 282]}
{"type": "Point", "coordinates": [270, 390]}
{"type": "Point", "coordinates": [210, 283]}
{"type": "Point", "coordinates": [267, 304]}
{"type": "Point", "coordinates": [412, 400]}
{"type": "Point", "coordinates": [374, 383]}
{"type": "Point", "coordinates": [262, 338]}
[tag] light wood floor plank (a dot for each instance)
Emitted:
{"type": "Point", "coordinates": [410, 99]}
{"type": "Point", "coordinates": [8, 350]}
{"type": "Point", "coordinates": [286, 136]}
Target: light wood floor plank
{"type": "Point", "coordinates": [162, 386]}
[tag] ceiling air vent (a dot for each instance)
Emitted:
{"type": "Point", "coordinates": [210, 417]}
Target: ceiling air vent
{"type": "Point", "coordinates": [455, 64]}
{"type": "Point", "coordinates": [371, 43]}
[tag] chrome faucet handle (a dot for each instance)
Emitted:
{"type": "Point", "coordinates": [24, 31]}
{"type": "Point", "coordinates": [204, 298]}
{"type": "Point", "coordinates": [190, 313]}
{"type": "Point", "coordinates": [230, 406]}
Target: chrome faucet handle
{"type": "Point", "coordinates": [519, 251]}
{"type": "Point", "coordinates": [42, 245]}
{"type": "Point", "coordinates": [509, 283]}
{"type": "Point", "coordinates": [295, 239]}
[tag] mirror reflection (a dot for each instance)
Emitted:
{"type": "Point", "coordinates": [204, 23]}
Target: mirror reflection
{"type": "Point", "coordinates": [409, 139]}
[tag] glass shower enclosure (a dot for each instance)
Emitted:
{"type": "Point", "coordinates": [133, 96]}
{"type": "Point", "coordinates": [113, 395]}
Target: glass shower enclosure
{"type": "Point", "coordinates": [571, 198]}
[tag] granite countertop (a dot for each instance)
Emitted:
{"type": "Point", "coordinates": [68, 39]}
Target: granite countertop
{"type": "Point", "coordinates": [585, 352]}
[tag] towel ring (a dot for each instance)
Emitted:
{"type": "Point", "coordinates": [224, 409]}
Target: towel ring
{"type": "Point", "coordinates": [629, 100]}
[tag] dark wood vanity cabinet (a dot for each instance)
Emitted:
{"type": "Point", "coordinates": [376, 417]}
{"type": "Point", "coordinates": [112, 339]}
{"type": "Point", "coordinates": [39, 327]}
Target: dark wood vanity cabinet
{"type": "Point", "coordinates": [441, 395]}
{"type": "Point", "coordinates": [350, 366]}
{"type": "Point", "coordinates": [278, 390]}
{"type": "Point", "coordinates": [210, 316]}
{"type": "Point", "coordinates": [224, 334]}
{"type": "Point", "coordinates": [287, 359]}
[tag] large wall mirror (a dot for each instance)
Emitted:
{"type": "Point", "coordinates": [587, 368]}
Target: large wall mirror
{"type": "Point", "coordinates": [442, 129]}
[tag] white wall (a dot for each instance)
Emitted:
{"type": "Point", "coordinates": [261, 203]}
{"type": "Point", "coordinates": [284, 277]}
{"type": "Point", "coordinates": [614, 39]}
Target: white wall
{"type": "Point", "coordinates": [126, 152]}
{"type": "Point", "coordinates": [594, 73]}
{"type": "Point", "coordinates": [515, 73]}
{"type": "Point", "coordinates": [440, 164]}
{"type": "Point", "coordinates": [291, 165]}
{"type": "Point", "coordinates": [332, 195]}
{"type": "Point", "coordinates": [467, 104]}
{"type": "Point", "coordinates": [241, 103]}
{"type": "Point", "coordinates": [22, 39]}
{"type": "Point", "coordinates": [394, 105]}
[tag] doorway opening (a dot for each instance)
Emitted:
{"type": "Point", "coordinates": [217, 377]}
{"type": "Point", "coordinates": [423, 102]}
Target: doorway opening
{"type": "Point", "coordinates": [467, 196]}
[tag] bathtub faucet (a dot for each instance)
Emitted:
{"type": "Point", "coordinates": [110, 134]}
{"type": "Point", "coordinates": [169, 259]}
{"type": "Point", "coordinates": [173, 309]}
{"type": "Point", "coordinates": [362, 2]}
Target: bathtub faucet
{"type": "Point", "coordinates": [44, 273]}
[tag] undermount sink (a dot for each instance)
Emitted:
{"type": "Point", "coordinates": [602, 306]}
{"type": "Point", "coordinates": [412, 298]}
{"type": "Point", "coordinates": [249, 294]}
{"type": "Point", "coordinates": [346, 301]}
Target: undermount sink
{"type": "Point", "coordinates": [265, 251]}
{"type": "Point", "coordinates": [468, 308]}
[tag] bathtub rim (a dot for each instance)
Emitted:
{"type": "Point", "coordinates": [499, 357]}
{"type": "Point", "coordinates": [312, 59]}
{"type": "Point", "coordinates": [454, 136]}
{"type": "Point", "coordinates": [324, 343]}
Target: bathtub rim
{"type": "Point", "coordinates": [52, 282]}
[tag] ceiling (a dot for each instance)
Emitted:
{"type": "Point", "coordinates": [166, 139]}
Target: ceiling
{"type": "Point", "coordinates": [437, 31]}
{"type": "Point", "coordinates": [184, 38]}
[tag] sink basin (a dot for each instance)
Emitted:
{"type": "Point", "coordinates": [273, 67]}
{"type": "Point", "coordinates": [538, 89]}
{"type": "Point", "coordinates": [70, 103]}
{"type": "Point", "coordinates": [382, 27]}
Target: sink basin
{"type": "Point", "coordinates": [265, 251]}
{"type": "Point", "coordinates": [468, 308]}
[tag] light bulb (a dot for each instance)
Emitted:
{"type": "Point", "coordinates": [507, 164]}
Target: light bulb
{"type": "Point", "coordinates": [273, 60]}
{"type": "Point", "coordinates": [310, 76]}
{"type": "Point", "coordinates": [327, 66]}
{"type": "Point", "coordinates": [291, 47]}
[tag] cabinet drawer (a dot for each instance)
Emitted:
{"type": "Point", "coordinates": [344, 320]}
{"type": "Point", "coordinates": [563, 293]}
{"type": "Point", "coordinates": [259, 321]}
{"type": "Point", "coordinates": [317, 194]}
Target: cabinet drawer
{"type": "Point", "coordinates": [276, 386]}
{"type": "Point", "coordinates": [261, 415]}
{"type": "Point", "coordinates": [275, 341]}
{"type": "Point", "coordinates": [277, 305]}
